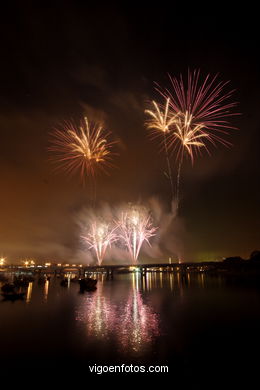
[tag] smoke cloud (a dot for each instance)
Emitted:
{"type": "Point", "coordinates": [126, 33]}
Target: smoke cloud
{"type": "Point", "coordinates": [167, 241]}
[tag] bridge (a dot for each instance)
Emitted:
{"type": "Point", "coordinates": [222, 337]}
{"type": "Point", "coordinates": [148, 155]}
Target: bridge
{"type": "Point", "coordinates": [110, 270]}
{"type": "Point", "coordinates": [151, 267]}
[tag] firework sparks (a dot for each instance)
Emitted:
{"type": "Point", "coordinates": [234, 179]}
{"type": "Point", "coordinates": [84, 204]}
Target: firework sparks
{"type": "Point", "coordinates": [191, 137]}
{"type": "Point", "coordinates": [85, 148]}
{"type": "Point", "coordinates": [198, 116]}
{"type": "Point", "coordinates": [200, 113]}
{"type": "Point", "coordinates": [135, 228]}
{"type": "Point", "coordinates": [160, 121]}
{"type": "Point", "coordinates": [100, 236]}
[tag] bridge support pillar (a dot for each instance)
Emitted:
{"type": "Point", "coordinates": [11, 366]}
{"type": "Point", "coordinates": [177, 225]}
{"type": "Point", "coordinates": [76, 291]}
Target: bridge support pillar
{"type": "Point", "coordinates": [110, 273]}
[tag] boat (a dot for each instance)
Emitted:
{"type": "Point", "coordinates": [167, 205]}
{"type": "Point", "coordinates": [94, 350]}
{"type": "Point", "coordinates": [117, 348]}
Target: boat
{"type": "Point", "coordinates": [13, 296]}
{"type": "Point", "coordinates": [30, 278]}
{"type": "Point", "coordinates": [18, 282]}
{"type": "Point", "coordinates": [87, 284]}
{"type": "Point", "coordinates": [3, 278]}
{"type": "Point", "coordinates": [64, 283]}
{"type": "Point", "coordinates": [8, 288]}
{"type": "Point", "coordinates": [41, 280]}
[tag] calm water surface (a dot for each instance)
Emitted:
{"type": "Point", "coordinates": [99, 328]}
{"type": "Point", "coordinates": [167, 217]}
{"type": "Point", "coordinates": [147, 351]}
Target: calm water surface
{"type": "Point", "coordinates": [188, 323]}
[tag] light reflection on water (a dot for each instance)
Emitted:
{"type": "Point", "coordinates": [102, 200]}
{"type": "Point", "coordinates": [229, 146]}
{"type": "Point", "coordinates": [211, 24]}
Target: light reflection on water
{"type": "Point", "coordinates": [133, 315]}
{"type": "Point", "coordinates": [189, 321]}
{"type": "Point", "coordinates": [29, 292]}
{"type": "Point", "coordinates": [140, 324]}
{"type": "Point", "coordinates": [133, 322]}
{"type": "Point", "coordinates": [46, 289]}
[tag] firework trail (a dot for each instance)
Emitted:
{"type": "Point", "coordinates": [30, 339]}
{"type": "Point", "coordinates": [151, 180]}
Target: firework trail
{"type": "Point", "coordinates": [200, 110]}
{"type": "Point", "coordinates": [190, 138]}
{"type": "Point", "coordinates": [161, 122]}
{"type": "Point", "coordinates": [85, 149]}
{"type": "Point", "coordinates": [135, 227]}
{"type": "Point", "coordinates": [99, 237]}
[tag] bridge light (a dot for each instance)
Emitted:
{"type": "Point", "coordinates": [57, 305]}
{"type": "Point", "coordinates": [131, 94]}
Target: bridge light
{"type": "Point", "coordinates": [134, 269]}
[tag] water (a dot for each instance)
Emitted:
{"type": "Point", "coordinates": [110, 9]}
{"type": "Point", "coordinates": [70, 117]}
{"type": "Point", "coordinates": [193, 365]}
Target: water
{"type": "Point", "coordinates": [191, 324]}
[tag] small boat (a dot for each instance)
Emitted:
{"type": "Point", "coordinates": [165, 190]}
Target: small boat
{"type": "Point", "coordinates": [21, 282]}
{"type": "Point", "coordinates": [8, 288]}
{"type": "Point", "coordinates": [3, 278]}
{"type": "Point", "coordinates": [13, 296]}
{"type": "Point", "coordinates": [87, 284]}
{"type": "Point", "coordinates": [41, 279]}
{"type": "Point", "coordinates": [64, 283]}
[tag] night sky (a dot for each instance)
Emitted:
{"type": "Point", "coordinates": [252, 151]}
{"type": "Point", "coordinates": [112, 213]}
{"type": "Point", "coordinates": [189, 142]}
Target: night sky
{"type": "Point", "coordinates": [61, 62]}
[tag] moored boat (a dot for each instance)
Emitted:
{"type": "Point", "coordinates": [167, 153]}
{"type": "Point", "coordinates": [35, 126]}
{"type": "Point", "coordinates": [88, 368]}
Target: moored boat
{"type": "Point", "coordinates": [64, 282]}
{"type": "Point", "coordinates": [13, 296]}
{"type": "Point", "coordinates": [8, 288]}
{"type": "Point", "coordinates": [87, 284]}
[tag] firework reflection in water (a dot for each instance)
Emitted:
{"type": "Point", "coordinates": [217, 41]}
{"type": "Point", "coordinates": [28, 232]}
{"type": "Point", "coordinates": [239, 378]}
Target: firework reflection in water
{"type": "Point", "coordinates": [133, 323]}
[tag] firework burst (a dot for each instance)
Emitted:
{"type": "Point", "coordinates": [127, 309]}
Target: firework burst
{"type": "Point", "coordinates": [99, 237]}
{"type": "Point", "coordinates": [160, 121]}
{"type": "Point", "coordinates": [191, 137]}
{"type": "Point", "coordinates": [197, 115]}
{"type": "Point", "coordinates": [85, 149]}
{"type": "Point", "coordinates": [135, 227]}
{"type": "Point", "coordinates": [200, 112]}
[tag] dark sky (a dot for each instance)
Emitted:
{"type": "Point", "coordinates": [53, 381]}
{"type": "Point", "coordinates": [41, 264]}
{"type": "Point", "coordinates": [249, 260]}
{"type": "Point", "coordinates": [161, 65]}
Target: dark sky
{"type": "Point", "coordinates": [59, 62]}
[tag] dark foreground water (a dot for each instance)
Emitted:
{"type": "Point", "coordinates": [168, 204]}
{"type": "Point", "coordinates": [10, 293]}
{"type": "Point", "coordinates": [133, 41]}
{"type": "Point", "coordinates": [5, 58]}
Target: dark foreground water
{"type": "Point", "coordinates": [194, 325]}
